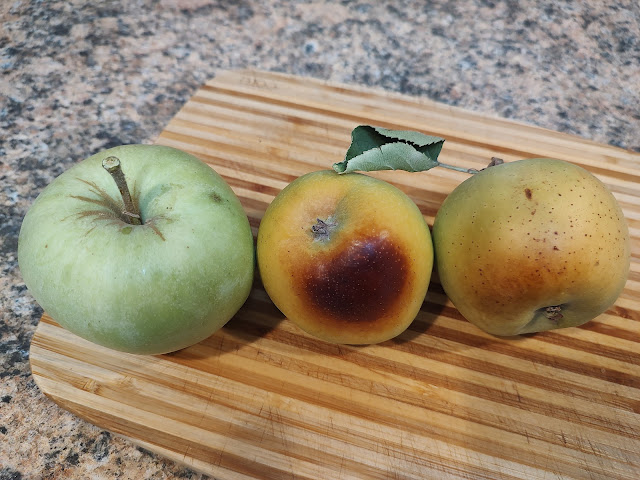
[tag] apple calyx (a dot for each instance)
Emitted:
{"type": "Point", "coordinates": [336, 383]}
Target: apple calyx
{"type": "Point", "coordinates": [131, 214]}
{"type": "Point", "coordinates": [322, 229]}
{"type": "Point", "coordinates": [553, 313]}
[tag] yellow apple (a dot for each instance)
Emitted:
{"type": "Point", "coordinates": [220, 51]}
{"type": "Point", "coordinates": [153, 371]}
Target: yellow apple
{"type": "Point", "coordinates": [348, 258]}
{"type": "Point", "coordinates": [531, 245]}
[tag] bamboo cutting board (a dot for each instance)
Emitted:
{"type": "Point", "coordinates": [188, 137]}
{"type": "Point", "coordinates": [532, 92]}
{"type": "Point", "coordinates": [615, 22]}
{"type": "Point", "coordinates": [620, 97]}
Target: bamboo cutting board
{"type": "Point", "coordinates": [261, 399]}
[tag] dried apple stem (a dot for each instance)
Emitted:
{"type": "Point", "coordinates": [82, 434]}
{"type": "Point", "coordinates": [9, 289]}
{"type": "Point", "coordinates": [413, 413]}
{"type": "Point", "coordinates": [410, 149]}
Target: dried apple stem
{"type": "Point", "coordinates": [131, 213]}
{"type": "Point", "coordinates": [494, 161]}
{"type": "Point", "coordinates": [457, 169]}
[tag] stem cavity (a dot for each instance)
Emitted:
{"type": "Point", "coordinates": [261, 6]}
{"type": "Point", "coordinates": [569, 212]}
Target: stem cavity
{"type": "Point", "coordinates": [130, 212]}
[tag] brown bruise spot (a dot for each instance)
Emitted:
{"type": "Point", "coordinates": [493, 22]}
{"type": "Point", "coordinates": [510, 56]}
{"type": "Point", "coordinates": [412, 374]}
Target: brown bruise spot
{"type": "Point", "coordinates": [516, 277]}
{"type": "Point", "coordinates": [360, 284]}
{"type": "Point", "coordinates": [527, 193]}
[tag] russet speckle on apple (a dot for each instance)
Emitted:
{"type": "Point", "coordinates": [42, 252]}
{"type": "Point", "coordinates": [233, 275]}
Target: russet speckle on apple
{"type": "Point", "coordinates": [139, 248]}
{"type": "Point", "coordinates": [531, 245]}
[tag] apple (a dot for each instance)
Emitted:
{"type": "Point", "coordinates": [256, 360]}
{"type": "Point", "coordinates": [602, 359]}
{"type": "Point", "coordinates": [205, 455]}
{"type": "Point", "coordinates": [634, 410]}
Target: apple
{"type": "Point", "coordinates": [531, 245]}
{"type": "Point", "coordinates": [148, 270]}
{"type": "Point", "coordinates": [347, 258]}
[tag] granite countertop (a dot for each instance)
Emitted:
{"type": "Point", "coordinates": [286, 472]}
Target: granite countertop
{"type": "Point", "coordinates": [78, 77]}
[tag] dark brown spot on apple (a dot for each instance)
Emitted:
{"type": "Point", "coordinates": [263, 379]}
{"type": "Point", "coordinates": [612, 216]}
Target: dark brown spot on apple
{"type": "Point", "coordinates": [360, 284]}
{"type": "Point", "coordinates": [527, 193]}
{"type": "Point", "coordinates": [215, 197]}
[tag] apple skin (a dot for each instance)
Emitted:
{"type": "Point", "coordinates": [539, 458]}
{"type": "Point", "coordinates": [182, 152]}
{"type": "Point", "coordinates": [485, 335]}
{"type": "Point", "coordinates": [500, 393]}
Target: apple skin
{"type": "Point", "coordinates": [362, 283]}
{"type": "Point", "coordinates": [146, 289]}
{"type": "Point", "coordinates": [519, 237]}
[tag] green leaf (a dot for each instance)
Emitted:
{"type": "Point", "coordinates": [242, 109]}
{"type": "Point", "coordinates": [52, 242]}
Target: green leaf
{"type": "Point", "coordinates": [376, 148]}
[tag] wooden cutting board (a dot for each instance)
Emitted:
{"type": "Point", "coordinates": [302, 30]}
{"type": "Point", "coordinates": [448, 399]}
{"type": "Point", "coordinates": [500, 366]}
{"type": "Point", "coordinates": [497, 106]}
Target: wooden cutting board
{"type": "Point", "coordinates": [261, 399]}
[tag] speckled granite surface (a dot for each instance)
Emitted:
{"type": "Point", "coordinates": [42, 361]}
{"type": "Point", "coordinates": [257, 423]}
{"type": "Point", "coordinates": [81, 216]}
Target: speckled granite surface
{"type": "Point", "coordinates": [77, 77]}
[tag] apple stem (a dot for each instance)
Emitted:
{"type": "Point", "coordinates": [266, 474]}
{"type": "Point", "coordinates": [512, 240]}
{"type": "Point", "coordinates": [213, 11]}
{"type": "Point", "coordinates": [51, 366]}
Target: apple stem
{"type": "Point", "coordinates": [494, 161]}
{"type": "Point", "coordinates": [112, 165]}
{"type": "Point", "coordinates": [458, 169]}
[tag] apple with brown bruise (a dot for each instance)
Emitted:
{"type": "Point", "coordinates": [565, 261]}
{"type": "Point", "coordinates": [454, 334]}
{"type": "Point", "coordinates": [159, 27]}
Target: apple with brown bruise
{"type": "Point", "coordinates": [348, 258]}
{"type": "Point", "coordinates": [531, 245]}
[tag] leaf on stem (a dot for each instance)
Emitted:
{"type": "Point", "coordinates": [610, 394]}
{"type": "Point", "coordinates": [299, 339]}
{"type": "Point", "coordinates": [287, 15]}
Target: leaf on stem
{"type": "Point", "coordinates": [376, 148]}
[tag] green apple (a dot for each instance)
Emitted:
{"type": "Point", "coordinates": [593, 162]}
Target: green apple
{"type": "Point", "coordinates": [148, 270]}
{"type": "Point", "coordinates": [531, 245]}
